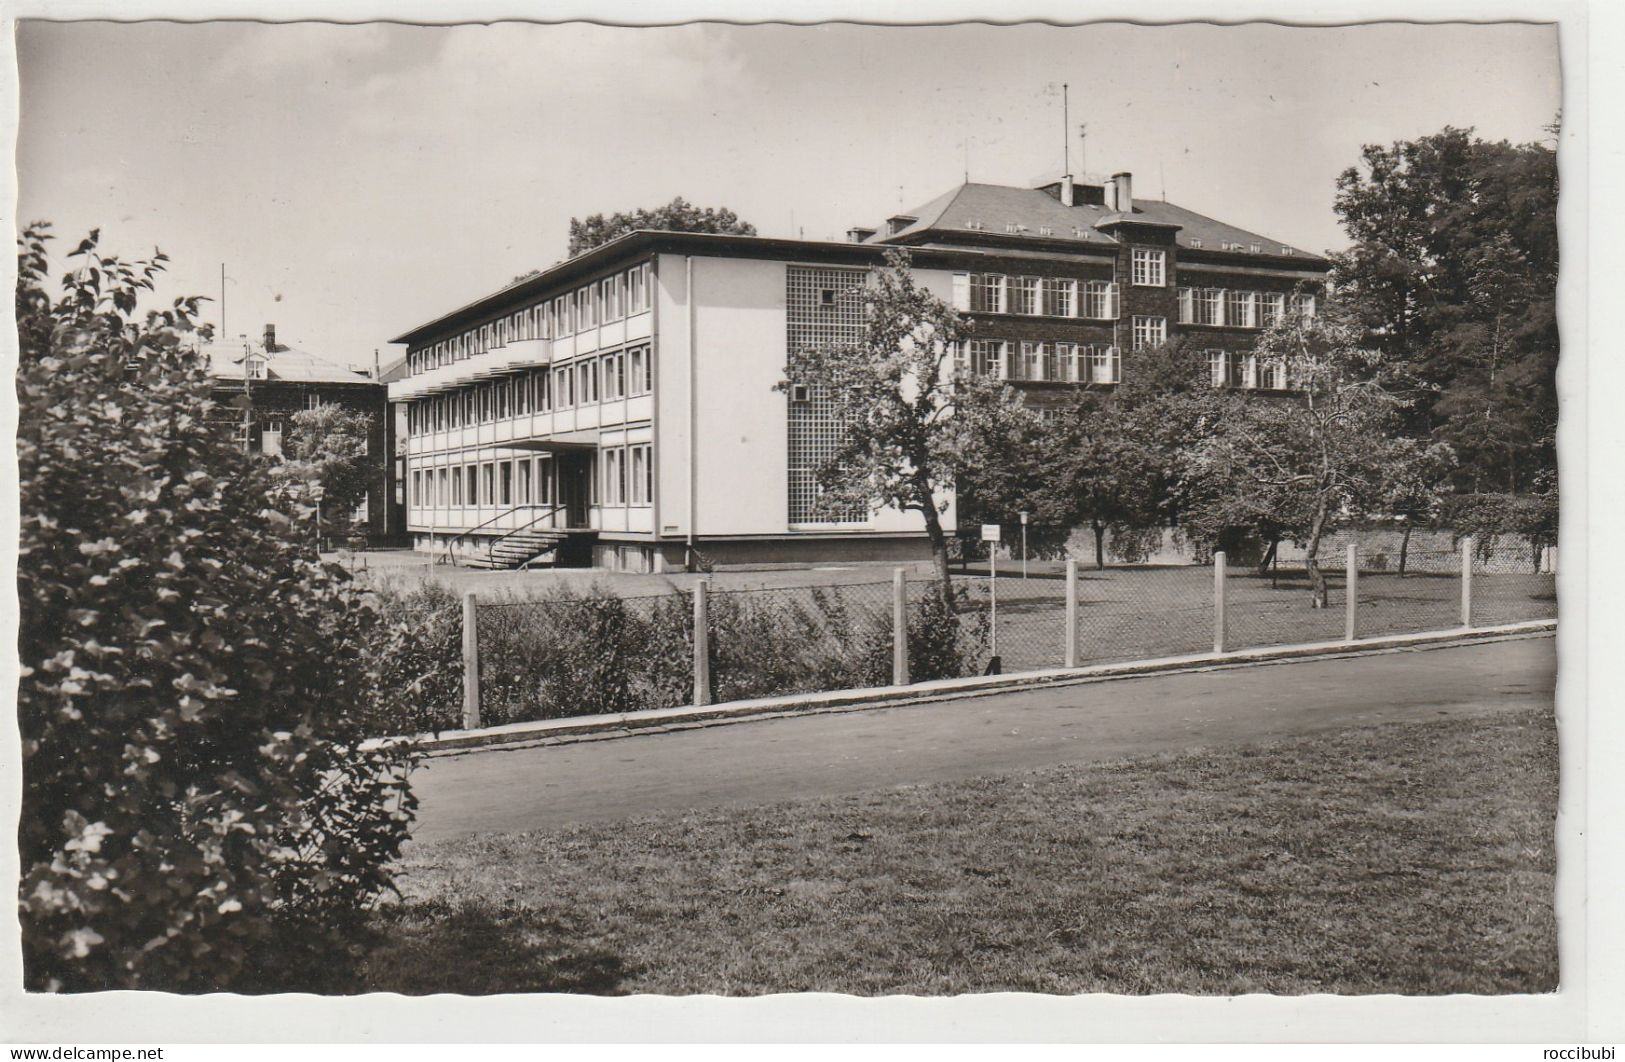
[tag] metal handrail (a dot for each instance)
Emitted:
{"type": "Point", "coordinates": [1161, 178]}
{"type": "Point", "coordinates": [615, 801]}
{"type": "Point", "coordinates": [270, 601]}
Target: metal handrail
{"type": "Point", "coordinates": [491, 550]}
{"type": "Point", "coordinates": [447, 557]}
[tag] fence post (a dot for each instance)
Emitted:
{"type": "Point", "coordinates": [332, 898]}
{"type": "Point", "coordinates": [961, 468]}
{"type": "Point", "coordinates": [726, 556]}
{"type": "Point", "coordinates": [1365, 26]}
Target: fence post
{"type": "Point", "coordinates": [471, 662]}
{"type": "Point", "coordinates": [1071, 657]}
{"type": "Point", "coordinates": [1218, 601]}
{"type": "Point", "coordinates": [702, 646]}
{"type": "Point", "coordinates": [1467, 581]}
{"type": "Point", "coordinates": [899, 627]}
{"type": "Point", "coordinates": [1351, 591]}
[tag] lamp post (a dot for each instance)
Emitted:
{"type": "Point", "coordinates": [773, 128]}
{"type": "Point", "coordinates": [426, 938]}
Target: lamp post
{"type": "Point", "coordinates": [316, 493]}
{"type": "Point", "coordinates": [1024, 545]}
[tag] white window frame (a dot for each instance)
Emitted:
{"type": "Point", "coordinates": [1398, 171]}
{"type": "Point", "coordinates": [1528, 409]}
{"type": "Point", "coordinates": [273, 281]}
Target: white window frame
{"type": "Point", "coordinates": [1148, 267]}
{"type": "Point", "coordinates": [1148, 331]}
{"type": "Point", "coordinates": [1100, 295]}
{"type": "Point", "coordinates": [1026, 296]}
{"type": "Point", "coordinates": [990, 290]}
{"type": "Point", "coordinates": [1104, 364]}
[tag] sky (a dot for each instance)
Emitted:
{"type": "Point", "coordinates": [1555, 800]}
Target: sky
{"type": "Point", "coordinates": [358, 180]}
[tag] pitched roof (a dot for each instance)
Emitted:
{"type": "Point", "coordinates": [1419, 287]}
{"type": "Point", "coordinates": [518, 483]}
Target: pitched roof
{"type": "Point", "coordinates": [286, 363]}
{"type": "Point", "coordinates": [994, 208]}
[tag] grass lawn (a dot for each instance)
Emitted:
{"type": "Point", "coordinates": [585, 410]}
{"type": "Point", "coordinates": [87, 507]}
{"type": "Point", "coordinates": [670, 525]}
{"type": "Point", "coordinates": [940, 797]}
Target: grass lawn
{"type": "Point", "coordinates": [1408, 858]}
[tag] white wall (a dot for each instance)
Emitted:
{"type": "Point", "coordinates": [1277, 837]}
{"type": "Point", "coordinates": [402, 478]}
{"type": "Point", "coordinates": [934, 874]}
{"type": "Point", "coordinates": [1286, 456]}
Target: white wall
{"type": "Point", "coordinates": [742, 450]}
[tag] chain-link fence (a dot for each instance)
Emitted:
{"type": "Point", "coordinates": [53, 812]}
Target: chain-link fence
{"type": "Point", "coordinates": [1509, 585]}
{"type": "Point", "coordinates": [1423, 595]}
{"type": "Point", "coordinates": [583, 655]}
{"type": "Point", "coordinates": [594, 651]}
{"type": "Point", "coordinates": [803, 639]}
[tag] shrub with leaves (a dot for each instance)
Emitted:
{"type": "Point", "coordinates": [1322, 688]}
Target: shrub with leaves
{"type": "Point", "coordinates": [193, 682]}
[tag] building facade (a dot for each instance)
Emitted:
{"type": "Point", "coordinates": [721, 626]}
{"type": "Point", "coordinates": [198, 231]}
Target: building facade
{"type": "Point", "coordinates": [258, 389]}
{"type": "Point", "coordinates": [624, 407]}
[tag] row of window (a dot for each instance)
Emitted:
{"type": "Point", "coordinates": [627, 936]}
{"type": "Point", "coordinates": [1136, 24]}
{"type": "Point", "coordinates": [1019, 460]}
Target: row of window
{"type": "Point", "coordinates": [619, 475]}
{"type": "Point", "coordinates": [609, 299]}
{"type": "Point", "coordinates": [1099, 364]}
{"type": "Point", "coordinates": [1058, 362]}
{"type": "Point", "coordinates": [583, 382]}
{"type": "Point", "coordinates": [1240, 309]}
{"type": "Point", "coordinates": [1038, 296]}
{"type": "Point", "coordinates": [1234, 368]}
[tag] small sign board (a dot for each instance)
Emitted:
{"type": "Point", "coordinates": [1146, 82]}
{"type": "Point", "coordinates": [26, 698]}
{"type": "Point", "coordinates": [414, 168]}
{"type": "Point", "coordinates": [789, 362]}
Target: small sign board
{"type": "Point", "coordinates": [990, 532]}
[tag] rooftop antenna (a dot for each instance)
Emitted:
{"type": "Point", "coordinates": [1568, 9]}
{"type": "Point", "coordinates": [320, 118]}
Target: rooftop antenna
{"type": "Point", "coordinates": [967, 160]}
{"type": "Point", "coordinates": [1162, 179]}
{"type": "Point", "coordinates": [1083, 147]}
{"type": "Point", "coordinates": [1066, 123]}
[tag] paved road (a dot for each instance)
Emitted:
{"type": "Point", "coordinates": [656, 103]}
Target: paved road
{"type": "Point", "coordinates": [818, 755]}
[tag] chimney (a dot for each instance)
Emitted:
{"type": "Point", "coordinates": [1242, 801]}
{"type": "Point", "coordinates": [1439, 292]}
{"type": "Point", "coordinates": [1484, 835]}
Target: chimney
{"type": "Point", "coordinates": [1124, 183]}
{"type": "Point", "coordinates": [1066, 189]}
{"type": "Point", "coordinates": [858, 234]}
{"type": "Point", "coordinates": [270, 339]}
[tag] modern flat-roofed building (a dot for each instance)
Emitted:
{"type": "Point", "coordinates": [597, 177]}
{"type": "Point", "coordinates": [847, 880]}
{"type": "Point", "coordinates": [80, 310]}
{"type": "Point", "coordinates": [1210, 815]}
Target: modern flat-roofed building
{"type": "Point", "coordinates": [621, 407]}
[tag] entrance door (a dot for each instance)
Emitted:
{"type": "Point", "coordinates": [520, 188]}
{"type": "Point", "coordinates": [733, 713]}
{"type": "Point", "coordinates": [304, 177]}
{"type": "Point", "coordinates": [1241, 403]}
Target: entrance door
{"type": "Point", "coordinates": [574, 487]}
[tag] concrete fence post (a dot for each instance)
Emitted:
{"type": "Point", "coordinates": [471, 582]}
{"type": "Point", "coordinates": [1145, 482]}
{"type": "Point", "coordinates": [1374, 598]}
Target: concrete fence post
{"type": "Point", "coordinates": [1218, 601]}
{"type": "Point", "coordinates": [1467, 581]}
{"type": "Point", "coordinates": [899, 627]}
{"type": "Point", "coordinates": [1352, 592]}
{"type": "Point", "coordinates": [1071, 655]}
{"type": "Point", "coordinates": [702, 646]}
{"type": "Point", "coordinates": [471, 662]}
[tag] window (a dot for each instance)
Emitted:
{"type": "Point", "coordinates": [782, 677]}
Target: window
{"type": "Point", "coordinates": [586, 309]}
{"type": "Point", "coordinates": [1060, 295]}
{"type": "Point", "coordinates": [986, 358]}
{"type": "Point", "coordinates": [614, 376]}
{"type": "Point", "coordinates": [1024, 296]}
{"type": "Point", "coordinates": [613, 463]}
{"type": "Point", "coordinates": [1196, 241]}
{"type": "Point", "coordinates": [1031, 364]}
{"type": "Point", "coordinates": [522, 394]}
{"type": "Point", "coordinates": [987, 293]}
{"type": "Point", "coordinates": [1272, 376]}
{"type": "Point", "coordinates": [643, 482]}
{"type": "Point", "coordinates": [637, 371]}
{"type": "Point", "coordinates": [1303, 306]}
{"type": "Point", "coordinates": [1249, 370]}
{"type": "Point", "coordinates": [504, 393]}
{"type": "Point", "coordinates": [544, 391]}
{"type": "Point", "coordinates": [637, 292]}
{"type": "Point", "coordinates": [1066, 367]}
{"type": "Point", "coordinates": [1209, 306]}
{"type": "Point", "coordinates": [564, 391]}
{"type": "Point", "coordinates": [1187, 305]}
{"type": "Point", "coordinates": [1104, 365]}
{"type": "Point", "coordinates": [1272, 307]}
{"type": "Point", "coordinates": [488, 491]}
{"type": "Point", "coordinates": [1100, 300]}
{"type": "Point", "coordinates": [1239, 309]}
{"type": "Point", "coordinates": [587, 382]}
{"type": "Point", "coordinates": [505, 483]}
{"type": "Point", "coordinates": [1218, 368]}
{"type": "Point", "coordinates": [1149, 332]}
{"type": "Point", "coordinates": [1147, 265]}
{"type": "Point", "coordinates": [442, 494]}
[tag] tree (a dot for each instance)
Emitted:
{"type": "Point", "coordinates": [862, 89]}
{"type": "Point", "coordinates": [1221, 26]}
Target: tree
{"type": "Point", "coordinates": [1304, 463]}
{"type": "Point", "coordinates": [676, 216]}
{"type": "Point", "coordinates": [327, 448]}
{"type": "Point", "coordinates": [192, 677]}
{"type": "Point", "coordinates": [1416, 486]}
{"type": "Point", "coordinates": [1453, 275]}
{"type": "Point", "coordinates": [910, 424]}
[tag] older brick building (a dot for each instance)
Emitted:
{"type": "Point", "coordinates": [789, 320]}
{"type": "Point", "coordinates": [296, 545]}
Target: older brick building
{"type": "Point", "coordinates": [1068, 279]}
{"type": "Point", "coordinates": [279, 381]}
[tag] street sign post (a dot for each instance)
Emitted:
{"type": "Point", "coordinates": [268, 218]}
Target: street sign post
{"type": "Point", "coordinates": [992, 533]}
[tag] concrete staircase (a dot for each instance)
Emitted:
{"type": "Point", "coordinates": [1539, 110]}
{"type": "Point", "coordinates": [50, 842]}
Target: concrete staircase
{"type": "Point", "coordinates": [552, 548]}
